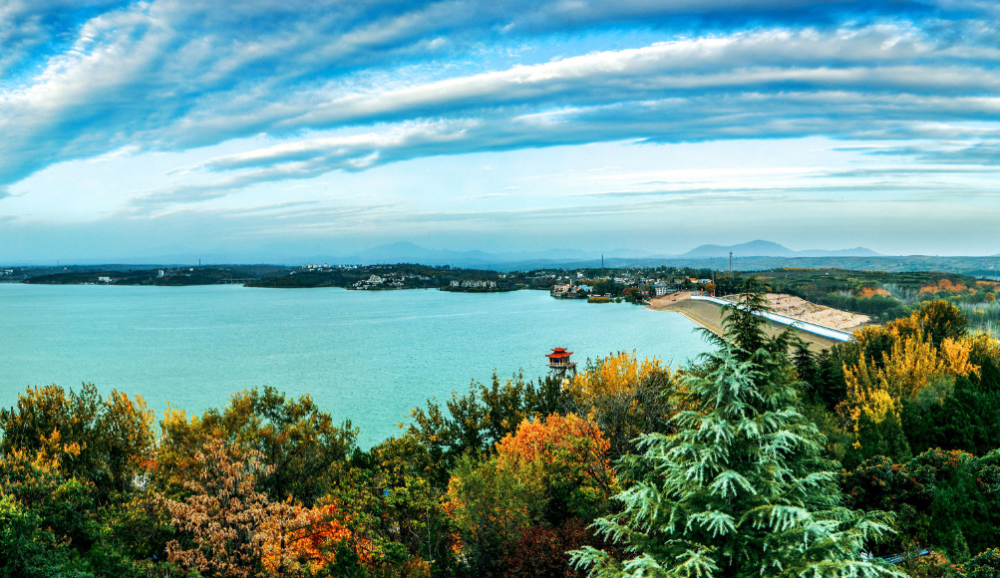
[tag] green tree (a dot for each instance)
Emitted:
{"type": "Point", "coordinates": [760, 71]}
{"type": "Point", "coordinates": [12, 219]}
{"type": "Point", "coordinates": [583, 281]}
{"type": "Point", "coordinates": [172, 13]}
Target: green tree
{"type": "Point", "coordinates": [742, 488]}
{"type": "Point", "coordinates": [388, 502]}
{"type": "Point", "coordinates": [965, 420]}
{"type": "Point", "coordinates": [27, 550]}
{"type": "Point", "coordinates": [986, 564]}
{"type": "Point", "coordinates": [491, 507]}
{"type": "Point", "coordinates": [941, 320]}
{"type": "Point", "coordinates": [479, 419]}
{"type": "Point", "coordinates": [294, 435]}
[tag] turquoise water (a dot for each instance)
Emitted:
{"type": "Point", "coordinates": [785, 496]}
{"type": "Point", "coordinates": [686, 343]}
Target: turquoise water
{"type": "Point", "coordinates": [366, 356]}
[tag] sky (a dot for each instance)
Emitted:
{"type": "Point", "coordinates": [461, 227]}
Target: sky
{"type": "Point", "coordinates": [235, 130]}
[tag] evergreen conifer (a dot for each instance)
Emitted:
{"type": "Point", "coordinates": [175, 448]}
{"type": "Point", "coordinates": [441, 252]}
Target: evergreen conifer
{"type": "Point", "coordinates": [742, 488]}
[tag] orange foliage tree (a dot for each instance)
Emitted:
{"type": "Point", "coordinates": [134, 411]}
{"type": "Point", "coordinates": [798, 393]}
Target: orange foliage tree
{"type": "Point", "coordinates": [945, 286]}
{"type": "Point", "coordinates": [867, 292]}
{"type": "Point", "coordinates": [568, 439]}
{"type": "Point", "coordinates": [227, 527]}
{"type": "Point", "coordinates": [546, 473]}
{"type": "Point", "coordinates": [310, 544]}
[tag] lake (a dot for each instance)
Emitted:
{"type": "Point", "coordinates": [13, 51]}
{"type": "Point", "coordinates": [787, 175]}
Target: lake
{"type": "Point", "coordinates": [364, 355]}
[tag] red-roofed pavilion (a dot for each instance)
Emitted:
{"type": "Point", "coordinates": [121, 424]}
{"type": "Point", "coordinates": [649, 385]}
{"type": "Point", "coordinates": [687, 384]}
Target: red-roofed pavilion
{"type": "Point", "coordinates": [559, 362]}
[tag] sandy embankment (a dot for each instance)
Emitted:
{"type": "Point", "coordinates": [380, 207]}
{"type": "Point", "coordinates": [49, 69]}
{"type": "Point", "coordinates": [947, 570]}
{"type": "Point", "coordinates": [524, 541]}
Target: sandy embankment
{"type": "Point", "coordinates": [710, 315]}
{"type": "Point", "coordinates": [798, 308]}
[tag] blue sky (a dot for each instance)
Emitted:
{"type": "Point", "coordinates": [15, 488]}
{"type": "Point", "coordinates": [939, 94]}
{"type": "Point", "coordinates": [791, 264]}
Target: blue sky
{"type": "Point", "coordinates": [137, 129]}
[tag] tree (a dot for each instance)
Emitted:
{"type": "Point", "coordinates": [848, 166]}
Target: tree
{"type": "Point", "coordinates": [912, 375]}
{"type": "Point", "coordinates": [479, 419]}
{"type": "Point", "coordinates": [395, 514]}
{"type": "Point", "coordinates": [744, 334]}
{"type": "Point", "coordinates": [625, 397]}
{"type": "Point", "coordinates": [491, 506]}
{"type": "Point", "coordinates": [941, 320]}
{"type": "Point", "coordinates": [111, 437]}
{"type": "Point", "coordinates": [227, 527]}
{"type": "Point", "coordinates": [27, 550]}
{"type": "Point", "coordinates": [742, 488]}
{"type": "Point", "coordinates": [551, 472]}
{"type": "Point", "coordinates": [294, 435]}
{"type": "Point", "coordinates": [569, 455]}
{"type": "Point", "coordinates": [986, 564]}
{"type": "Point", "coordinates": [542, 551]}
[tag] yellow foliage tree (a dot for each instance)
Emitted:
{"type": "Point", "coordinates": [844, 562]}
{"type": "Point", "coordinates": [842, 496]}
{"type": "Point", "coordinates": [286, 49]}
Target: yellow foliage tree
{"type": "Point", "coordinates": [909, 368]}
{"type": "Point", "coordinates": [626, 397]}
{"type": "Point", "coordinates": [613, 375]}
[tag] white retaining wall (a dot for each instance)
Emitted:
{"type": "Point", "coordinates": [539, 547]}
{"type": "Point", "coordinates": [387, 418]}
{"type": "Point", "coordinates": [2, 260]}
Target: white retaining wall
{"type": "Point", "coordinates": [796, 323]}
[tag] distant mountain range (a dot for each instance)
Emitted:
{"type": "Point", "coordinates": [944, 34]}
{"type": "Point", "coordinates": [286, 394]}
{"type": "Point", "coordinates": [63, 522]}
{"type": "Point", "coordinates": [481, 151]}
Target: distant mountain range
{"type": "Point", "coordinates": [761, 248]}
{"type": "Point", "coordinates": [410, 253]}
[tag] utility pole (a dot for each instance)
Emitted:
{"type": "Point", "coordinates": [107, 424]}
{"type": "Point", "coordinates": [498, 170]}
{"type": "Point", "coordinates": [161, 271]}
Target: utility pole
{"type": "Point", "coordinates": [730, 265]}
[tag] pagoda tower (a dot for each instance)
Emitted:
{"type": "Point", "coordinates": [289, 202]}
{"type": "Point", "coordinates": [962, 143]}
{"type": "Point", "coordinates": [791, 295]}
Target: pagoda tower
{"type": "Point", "coordinates": [560, 365]}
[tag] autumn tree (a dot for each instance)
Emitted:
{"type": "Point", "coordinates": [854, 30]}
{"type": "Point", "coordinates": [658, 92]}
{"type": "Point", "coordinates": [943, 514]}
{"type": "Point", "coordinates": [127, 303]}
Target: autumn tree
{"type": "Point", "coordinates": [295, 436]}
{"type": "Point", "coordinates": [572, 458]}
{"type": "Point", "coordinates": [548, 473]}
{"type": "Point", "coordinates": [625, 397]}
{"type": "Point", "coordinates": [228, 528]}
{"type": "Point", "coordinates": [912, 363]}
{"type": "Point", "coordinates": [111, 436]}
{"type": "Point", "coordinates": [477, 420]}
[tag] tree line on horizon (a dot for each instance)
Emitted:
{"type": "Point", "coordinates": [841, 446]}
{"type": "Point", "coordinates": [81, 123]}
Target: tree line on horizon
{"type": "Point", "coordinates": [761, 458]}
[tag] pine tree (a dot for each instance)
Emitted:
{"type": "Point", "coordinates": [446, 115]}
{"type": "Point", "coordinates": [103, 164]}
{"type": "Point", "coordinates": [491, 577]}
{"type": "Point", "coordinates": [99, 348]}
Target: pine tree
{"type": "Point", "coordinates": [742, 488]}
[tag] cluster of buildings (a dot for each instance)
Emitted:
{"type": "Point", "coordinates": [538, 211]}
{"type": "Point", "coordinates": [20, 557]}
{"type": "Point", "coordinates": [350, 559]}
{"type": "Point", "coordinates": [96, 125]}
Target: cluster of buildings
{"type": "Point", "coordinates": [474, 284]}
{"type": "Point", "coordinates": [577, 285]}
{"type": "Point", "coordinates": [326, 268]}
{"type": "Point", "coordinates": [387, 282]}
{"type": "Point", "coordinates": [378, 282]}
{"type": "Point", "coordinates": [570, 291]}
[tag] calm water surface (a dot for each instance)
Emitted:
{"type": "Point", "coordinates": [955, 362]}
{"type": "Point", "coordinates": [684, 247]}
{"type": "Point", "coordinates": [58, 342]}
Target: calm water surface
{"type": "Point", "coordinates": [366, 356]}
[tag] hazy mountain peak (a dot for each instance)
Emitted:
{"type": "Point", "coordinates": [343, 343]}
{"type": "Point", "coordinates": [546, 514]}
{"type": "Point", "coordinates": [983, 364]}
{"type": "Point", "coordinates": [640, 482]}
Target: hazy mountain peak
{"type": "Point", "coordinates": [762, 248]}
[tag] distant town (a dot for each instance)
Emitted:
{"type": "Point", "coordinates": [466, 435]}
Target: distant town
{"type": "Point", "coordinates": [597, 284]}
